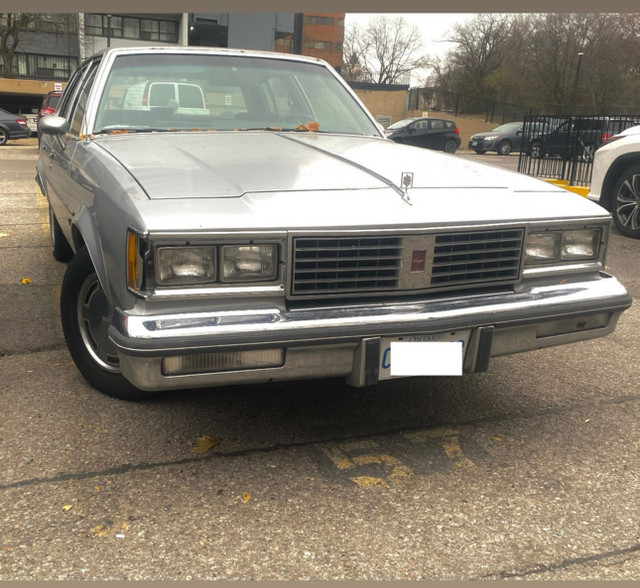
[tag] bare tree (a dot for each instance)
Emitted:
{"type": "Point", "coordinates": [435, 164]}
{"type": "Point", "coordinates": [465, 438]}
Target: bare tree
{"type": "Point", "coordinates": [15, 23]}
{"type": "Point", "coordinates": [387, 51]}
{"type": "Point", "coordinates": [352, 54]}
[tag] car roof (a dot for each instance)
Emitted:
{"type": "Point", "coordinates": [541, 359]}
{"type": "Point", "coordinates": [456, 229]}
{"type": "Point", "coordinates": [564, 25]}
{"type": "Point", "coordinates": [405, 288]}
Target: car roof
{"type": "Point", "coordinates": [181, 50]}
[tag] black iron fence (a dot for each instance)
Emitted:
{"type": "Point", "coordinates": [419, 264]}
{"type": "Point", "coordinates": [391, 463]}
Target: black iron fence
{"type": "Point", "coordinates": [562, 147]}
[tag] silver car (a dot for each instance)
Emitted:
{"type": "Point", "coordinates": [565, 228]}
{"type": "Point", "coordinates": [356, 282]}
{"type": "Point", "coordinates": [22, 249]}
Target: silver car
{"type": "Point", "coordinates": [281, 236]}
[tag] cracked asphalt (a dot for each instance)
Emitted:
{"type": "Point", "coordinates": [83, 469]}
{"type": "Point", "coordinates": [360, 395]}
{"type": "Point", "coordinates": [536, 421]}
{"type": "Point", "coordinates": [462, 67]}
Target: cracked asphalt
{"type": "Point", "coordinates": [529, 471]}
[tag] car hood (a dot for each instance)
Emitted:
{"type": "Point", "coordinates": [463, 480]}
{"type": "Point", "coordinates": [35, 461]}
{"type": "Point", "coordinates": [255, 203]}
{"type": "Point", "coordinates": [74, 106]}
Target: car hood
{"type": "Point", "coordinates": [224, 165]}
{"type": "Point", "coordinates": [486, 134]}
{"type": "Point", "coordinates": [266, 180]}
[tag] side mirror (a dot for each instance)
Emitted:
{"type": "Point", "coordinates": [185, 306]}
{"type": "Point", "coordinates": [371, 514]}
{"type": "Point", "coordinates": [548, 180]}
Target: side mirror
{"type": "Point", "coordinates": [53, 125]}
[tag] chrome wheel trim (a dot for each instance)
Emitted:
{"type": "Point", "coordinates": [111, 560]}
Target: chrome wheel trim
{"type": "Point", "coordinates": [94, 320]}
{"type": "Point", "coordinates": [628, 203]}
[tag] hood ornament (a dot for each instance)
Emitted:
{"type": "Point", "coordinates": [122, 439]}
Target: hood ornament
{"type": "Point", "coordinates": [406, 182]}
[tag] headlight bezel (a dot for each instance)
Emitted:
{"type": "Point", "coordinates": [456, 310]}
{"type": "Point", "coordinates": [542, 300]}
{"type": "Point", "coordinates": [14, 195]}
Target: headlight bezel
{"type": "Point", "coordinates": [557, 236]}
{"type": "Point", "coordinates": [146, 278]}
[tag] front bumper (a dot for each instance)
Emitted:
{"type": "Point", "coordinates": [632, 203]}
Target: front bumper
{"type": "Point", "coordinates": [481, 144]}
{"type": "Point", "coordinates": [344, 341]}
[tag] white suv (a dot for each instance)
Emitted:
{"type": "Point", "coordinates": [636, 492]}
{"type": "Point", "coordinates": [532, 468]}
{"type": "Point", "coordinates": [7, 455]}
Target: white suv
{"type": "Point", "coordinates": [615, 180]}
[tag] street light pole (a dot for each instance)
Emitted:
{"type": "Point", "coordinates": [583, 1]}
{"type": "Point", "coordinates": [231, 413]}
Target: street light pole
{"type": "Point", "coordinates": [575, 81]}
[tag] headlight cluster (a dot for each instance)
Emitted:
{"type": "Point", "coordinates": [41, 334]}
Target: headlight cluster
{"type": "Point", "coordinates": [198, 265]}
{"type": "Point", "coordinates": [191, 266]}
{"type": "Point", "coordinates": [562, 246]}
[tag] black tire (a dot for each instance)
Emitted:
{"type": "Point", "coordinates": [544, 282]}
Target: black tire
{"type": "Point", "coordinates": [59, 245]}
{"type": "Point", "coordinates": [4, 137]}
{"type": "Point", "coordinates": [480, 151]}
{"type": "Point", "coordinates": [86, 316]}
{"type": "Point", "coordinates": [504, 147]}
{"type": "Point", "coordinates": [450, 146]}
{"type": "Point", "coordinates": [625, 204]}
{"type": "Point", "coordinates": [537, 149]}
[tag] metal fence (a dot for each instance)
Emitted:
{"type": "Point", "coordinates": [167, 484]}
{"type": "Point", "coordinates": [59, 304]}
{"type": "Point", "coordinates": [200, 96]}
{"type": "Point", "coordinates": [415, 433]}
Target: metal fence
{"type": "Point", "coordinates": [562, 147]}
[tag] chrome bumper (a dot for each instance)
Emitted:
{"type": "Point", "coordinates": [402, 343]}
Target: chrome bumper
{"type": "Point", "coordinates": [344, 341]}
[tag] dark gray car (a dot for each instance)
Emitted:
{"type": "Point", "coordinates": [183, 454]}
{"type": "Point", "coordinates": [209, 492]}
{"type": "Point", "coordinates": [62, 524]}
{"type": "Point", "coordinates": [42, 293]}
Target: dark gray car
{"type": "Point", "coordinates": [12, 126]}
{"type": "Point", "coordinates": [503, 139]}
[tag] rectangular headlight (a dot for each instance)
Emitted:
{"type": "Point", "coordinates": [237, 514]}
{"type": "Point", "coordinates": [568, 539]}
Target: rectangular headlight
{"type": "Point", "coordinates": [185, 266]}
{"type": "Point", "coordinates": [562, 246]}
{"type": "Point", "coordinates": [249, 263]}
{"type": "Point", "coordinates": [543, 247]}
{"type": "Point", "coordinates": [581, 244]}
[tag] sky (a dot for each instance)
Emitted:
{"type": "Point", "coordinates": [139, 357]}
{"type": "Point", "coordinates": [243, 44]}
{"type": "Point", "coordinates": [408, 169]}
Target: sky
{"type": "Point", "coordinates": [432, 26]}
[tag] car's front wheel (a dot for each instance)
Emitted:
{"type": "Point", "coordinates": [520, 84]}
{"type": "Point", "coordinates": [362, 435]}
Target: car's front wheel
{"type": "Point", "coordinates": [450, 146]}
{"type": "Point", "coordinates": [86, 316]}
{"type": "Point", "coordinates": [505, 147]}
{"type": "Point", "coordinates": [626, 203]}
{"type": "Point", "coordinates": [480, 151]}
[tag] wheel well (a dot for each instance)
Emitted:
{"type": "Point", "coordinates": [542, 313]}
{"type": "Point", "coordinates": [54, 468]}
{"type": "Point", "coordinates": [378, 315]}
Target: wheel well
{"type": "Point", "coordinates": [78, 240]}
{"type": "Point", "coordinates": [613, 175]}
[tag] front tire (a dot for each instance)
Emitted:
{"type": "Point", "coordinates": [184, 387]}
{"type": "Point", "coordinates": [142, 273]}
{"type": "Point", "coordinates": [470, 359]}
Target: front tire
{"type": "Point", "coordinates": [625, 206]}
{"type": "Point", "coordinates": [504, 148]}
{"type": "Point", "coordinates": [86, 316]}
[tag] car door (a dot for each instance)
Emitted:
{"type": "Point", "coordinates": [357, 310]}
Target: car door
{"type": "Point", "coordinates": [416, 134]}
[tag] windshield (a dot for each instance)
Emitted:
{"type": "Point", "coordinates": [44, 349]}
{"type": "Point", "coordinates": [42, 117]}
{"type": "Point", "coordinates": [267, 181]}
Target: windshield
{"type": "Point", "coordinates": [219, 92]}
{"type": "Point", "coordinates": [400, 124]}
{"type": "Point", "coordinates": [508, 128]}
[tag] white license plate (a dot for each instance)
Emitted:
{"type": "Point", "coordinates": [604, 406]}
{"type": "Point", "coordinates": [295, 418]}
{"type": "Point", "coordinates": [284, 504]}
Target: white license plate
{"type": "Point", "coordinates": [441, 354]}
{"type": "Point", "coordinates": [474, 143]}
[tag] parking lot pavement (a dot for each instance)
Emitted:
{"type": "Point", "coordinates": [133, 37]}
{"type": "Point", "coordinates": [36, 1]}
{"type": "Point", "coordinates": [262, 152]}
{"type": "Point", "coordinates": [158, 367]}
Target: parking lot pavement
{"type": "Point", "coordinates": [528, 471]}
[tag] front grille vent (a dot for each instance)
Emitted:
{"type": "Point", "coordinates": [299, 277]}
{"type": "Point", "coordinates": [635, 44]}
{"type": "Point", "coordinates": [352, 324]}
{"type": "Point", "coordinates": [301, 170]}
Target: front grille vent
{"type": "Point", "coordinates": [328, 265]}
{"type": "Point", "coordinates": [471, 258]}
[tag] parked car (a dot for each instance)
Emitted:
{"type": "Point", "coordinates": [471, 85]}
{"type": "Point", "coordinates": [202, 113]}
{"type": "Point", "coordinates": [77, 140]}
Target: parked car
{"type": "Point", "coordinates": [48, 106]}
{"type": "Point", "coordinates": [301, 244]}
{"type": "Point", "coordinates": [503, 139]}
{"type": "Point", "coordinates": [31, 114]}
{"type": "Point", "coordinates": [12, 126]}
{"type": "Point", "coordinates": [615, 180]}
{"type": "Point", "coordinates": [181, 97]}
{"type": "Point", "coordinates": [434, 133]}
{"type": "Point", "coordinates": [576, 137]}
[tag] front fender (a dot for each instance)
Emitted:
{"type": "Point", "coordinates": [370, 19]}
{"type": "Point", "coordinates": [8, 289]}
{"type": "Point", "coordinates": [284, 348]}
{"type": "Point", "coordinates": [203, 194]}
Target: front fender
{"type": "Point", "coordinates": [85, 233]}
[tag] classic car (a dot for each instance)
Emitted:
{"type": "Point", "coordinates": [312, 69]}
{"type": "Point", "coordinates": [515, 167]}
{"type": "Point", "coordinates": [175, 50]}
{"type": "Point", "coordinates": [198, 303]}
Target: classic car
{"type": "Point", "coordinates": [282, 236]}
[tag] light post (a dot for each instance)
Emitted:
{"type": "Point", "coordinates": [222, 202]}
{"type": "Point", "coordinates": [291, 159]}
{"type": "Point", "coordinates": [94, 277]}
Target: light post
{"type": "Point", "coordinates": [108, 30]}
{"type": "Point", "coordinates": [575, 81]}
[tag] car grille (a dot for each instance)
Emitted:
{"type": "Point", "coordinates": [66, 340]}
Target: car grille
{"type": "Point", "coordinates": [360, 265]}
{"type": "Point", "coordinates": [473, 258]}
{"type": "Point", "coordinates": [328, 265]}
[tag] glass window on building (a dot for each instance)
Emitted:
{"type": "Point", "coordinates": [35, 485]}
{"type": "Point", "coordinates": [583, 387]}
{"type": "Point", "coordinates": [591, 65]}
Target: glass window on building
{"type": "Point", "coordinates": [319, 20]}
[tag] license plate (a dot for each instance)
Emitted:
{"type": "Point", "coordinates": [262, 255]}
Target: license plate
{"type": "Point", "coordinates": [441, 354]}
{"type": "Point", "coordinates": [474, 143]}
